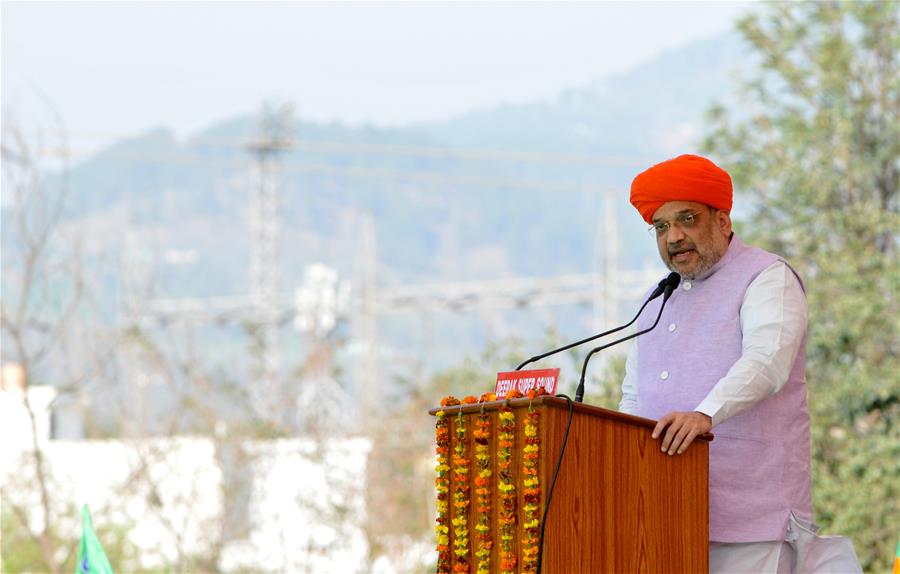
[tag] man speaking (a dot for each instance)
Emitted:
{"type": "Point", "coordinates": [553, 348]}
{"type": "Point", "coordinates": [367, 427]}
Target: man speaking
{"type": "Point", "coordinates": [729, 357]}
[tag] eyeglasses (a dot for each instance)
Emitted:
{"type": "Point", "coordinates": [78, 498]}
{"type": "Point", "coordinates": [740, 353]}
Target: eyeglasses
{"type": "Point", "coordinates": [683, 221]}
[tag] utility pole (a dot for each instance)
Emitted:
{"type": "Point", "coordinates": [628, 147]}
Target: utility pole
{"type": "Point", "coordinates": [607, 268]}
{"type": "Point", "coordinates": [611, 259]}
{"type": "Point", "coordinates": [275, 136]}
{"type": "Point", "coordinates": [364, 319]}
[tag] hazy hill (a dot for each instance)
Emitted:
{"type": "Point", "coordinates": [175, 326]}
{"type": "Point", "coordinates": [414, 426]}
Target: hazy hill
{"type": "Point", "coordinates": [435, 198]}
{"type": "Point", "coordinates": [510, 191]}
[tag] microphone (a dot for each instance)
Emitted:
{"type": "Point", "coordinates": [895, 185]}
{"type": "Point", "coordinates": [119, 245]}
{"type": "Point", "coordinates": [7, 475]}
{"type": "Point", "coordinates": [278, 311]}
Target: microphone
{"type": "Point", "coordinates": [656, 293]}
{"type": "Point", "coordinates": [671, 282]}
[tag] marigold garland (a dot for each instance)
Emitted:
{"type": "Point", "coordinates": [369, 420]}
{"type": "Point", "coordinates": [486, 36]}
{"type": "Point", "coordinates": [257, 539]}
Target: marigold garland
{"type": "Point", "coordinates": [460, 480]}
{"type": "Point", "coordinates": [531, 491]}
{"type": "Point", "coordinates": [482, 436]}
{"type": "Point", "coordinates": [458, 559]}
{"type": "Point", "coordinates": [514, 394]}
{"type": "Point", "coordinates": [442, 486]}
{"type": "Point", "coordinates": [507, 489]}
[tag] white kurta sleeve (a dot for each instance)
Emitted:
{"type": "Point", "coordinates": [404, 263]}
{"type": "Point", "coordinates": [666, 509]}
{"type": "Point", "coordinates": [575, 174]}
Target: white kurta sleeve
{"type": "Point", "coordinates": [628, 404]}
{"type": "Point", "coordinates": [773, 325]}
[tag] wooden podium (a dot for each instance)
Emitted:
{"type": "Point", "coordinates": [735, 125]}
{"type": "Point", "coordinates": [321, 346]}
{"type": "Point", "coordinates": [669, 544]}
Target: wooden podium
{"type": "Point", "coordinates": [619, 504]}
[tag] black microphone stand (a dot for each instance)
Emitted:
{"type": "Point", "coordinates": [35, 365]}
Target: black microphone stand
{"type": "Point", "coordinates": [656, 293]}
{"type": "Point", "coordinates": [670, 288]}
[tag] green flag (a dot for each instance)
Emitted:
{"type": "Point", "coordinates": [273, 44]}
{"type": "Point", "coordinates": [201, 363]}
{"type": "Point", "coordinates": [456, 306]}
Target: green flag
{"type": "Point", "coordinates": [91, 558]}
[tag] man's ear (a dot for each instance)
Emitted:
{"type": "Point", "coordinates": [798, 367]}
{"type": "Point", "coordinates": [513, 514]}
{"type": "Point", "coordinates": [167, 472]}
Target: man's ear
{"type": "Point", "coordinates": [723, 220]}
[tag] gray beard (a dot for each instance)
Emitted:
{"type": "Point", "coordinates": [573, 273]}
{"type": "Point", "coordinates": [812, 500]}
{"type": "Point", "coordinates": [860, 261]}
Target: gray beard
{"type": "Point", "coordinates": [707, 260]}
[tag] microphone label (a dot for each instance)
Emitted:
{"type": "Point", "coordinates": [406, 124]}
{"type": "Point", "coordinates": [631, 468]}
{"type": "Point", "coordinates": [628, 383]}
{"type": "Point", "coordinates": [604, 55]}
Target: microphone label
{"type": "Point", "coordinates": [527, 380]}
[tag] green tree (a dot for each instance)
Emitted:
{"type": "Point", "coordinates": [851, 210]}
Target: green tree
{"type": "Point", "coordinates": [816, 148]}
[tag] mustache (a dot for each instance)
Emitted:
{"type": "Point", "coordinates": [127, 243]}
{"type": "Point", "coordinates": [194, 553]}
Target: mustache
{"type": "Point", "coordinates": [680, 247]}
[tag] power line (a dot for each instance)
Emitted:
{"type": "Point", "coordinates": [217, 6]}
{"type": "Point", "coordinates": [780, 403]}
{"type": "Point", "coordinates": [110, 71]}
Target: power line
{"type": "Point", "coordinates": [379, 174]}
{"type": "Point", "coordinates": [454, 297]}
{"type": "Point", "coordinates": [419, 151]}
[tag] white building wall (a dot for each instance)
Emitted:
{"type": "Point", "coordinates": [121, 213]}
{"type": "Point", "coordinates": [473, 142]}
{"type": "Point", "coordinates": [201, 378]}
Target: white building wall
{"type": "Point", "coordinates": [15, 422]}
{"type": "Point", "coordinates": [308, 508]}
{"type": "Point", "coordinates": [307, 503]}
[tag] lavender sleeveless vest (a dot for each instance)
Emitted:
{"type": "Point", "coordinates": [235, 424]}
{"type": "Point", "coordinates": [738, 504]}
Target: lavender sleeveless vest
{"type": "Point", "coordinates": [759, 461]}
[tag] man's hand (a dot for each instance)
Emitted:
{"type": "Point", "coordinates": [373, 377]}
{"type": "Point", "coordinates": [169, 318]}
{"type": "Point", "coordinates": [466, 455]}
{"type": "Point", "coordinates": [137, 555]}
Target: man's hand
{"type": "Point", "coordinates": [683, 429]}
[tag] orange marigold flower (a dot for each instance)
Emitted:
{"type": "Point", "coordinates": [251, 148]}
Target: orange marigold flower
{"type": "Point", "coordinates": [449, 401]}
{"type": "Point", "coordinates": [514, 394]}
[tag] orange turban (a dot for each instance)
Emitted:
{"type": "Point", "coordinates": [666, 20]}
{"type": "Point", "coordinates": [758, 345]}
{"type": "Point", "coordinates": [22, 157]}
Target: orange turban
{"type": "Point", "coordinates": [685, 178]}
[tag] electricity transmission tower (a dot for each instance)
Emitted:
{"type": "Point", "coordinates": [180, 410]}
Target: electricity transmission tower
{"type": "Point", "coordinates": [267, 308]}
{"type": "Point", "coordinates": [275, 136]}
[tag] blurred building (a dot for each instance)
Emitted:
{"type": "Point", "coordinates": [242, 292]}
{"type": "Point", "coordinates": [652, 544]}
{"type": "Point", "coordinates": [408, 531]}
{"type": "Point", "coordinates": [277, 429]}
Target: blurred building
{"type": "Point", "coordinates": [16, 396]}
{"type": "Point", "coordinates": [303, 500]}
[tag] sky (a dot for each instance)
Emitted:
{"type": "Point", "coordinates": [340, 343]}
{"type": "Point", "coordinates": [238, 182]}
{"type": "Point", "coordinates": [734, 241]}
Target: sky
{"type": "Point", "coordinates": [110, 70]}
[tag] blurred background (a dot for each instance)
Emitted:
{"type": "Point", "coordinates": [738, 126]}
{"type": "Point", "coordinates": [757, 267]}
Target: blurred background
{"type": "Point", "coordinates": [247, 246]}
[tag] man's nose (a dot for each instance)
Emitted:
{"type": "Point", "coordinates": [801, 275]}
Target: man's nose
{"type": "Point", "coordinates": [674, 235]}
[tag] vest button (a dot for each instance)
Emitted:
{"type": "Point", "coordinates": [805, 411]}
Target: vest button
{"type": "Point", "coordinates": [671, 327]}
{"type": "Point", "coordinates": [664, 375]}
{"type": "Point", "coordinates": [687, 285]}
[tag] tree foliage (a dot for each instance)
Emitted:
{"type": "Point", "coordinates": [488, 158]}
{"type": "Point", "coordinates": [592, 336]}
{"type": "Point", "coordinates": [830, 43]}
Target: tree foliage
{"type": "Point", "coordinates": [816, 150]}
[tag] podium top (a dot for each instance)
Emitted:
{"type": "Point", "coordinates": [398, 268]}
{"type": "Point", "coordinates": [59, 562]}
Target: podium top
{"type": "Point", "coordinates": [557, 403]}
